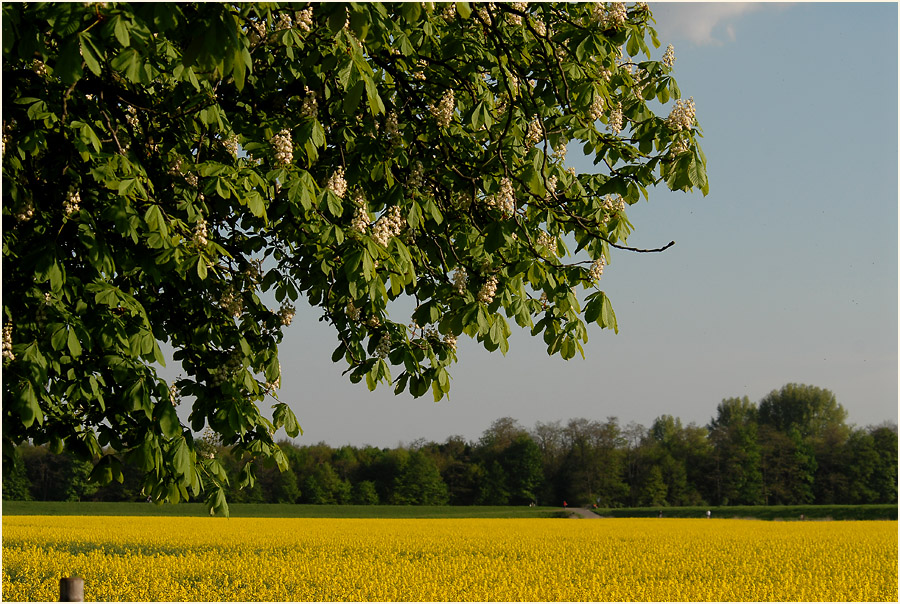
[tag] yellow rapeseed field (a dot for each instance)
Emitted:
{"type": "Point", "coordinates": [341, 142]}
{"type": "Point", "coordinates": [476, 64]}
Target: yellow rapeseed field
{"type": "Point", "coordinates": [264, 559]}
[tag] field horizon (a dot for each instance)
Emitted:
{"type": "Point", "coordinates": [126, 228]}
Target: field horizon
{"type": "Point", "coordinates": [290, 510]}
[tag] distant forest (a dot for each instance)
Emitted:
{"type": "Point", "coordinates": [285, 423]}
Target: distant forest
{"type": "Point", "coordinates": [793, 447]}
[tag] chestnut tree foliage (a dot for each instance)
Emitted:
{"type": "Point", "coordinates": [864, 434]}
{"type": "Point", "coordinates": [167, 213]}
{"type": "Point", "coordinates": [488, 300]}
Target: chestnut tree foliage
{"type": "Point", "coordinates": [171, 169]}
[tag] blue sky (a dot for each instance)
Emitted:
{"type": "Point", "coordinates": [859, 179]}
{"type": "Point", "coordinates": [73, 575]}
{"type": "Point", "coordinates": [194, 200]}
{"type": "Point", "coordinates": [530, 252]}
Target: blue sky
{"type": "Point", "coordinates": [785, 272]}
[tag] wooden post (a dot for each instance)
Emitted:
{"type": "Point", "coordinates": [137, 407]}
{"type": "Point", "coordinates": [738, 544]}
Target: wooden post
{"type": "Point", "coordinates": [71, 589]}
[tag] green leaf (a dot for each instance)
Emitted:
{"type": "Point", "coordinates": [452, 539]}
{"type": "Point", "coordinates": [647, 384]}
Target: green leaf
{"type": "Point", "coordinates": [239, 69]}
{"type": "Point", "coordinates": [155, 220]}
{"type": "Point", "coordinates": [353, 96]}
{"type": "Point", "coordinates": [128, 62]}
{"type": "Point", "coordinates": [68, 65]}
{"type": "Point", "coordinates": [56, 277]}
{"type": "Point", "coordinates": [464, 10]}
{"type": "Point", "coordinates": [201, 267]}
{"type": "Point", "coordinates": [121, 30]}
{"type": "Point", "coordinates": [284, 416]}
{"type": "Point", "coordinates": [74, 344]}
{"type": "Point", "coordinates": [102, 473]}
{"type": "Point", "coordinates": [376, 105]}
{"type": "Point", "coordinates": [168, 420]}
{"type": "Point", "coordinates": [256, 203]}
{"type": "Point", "coordinates": [181, 456]}
{"type": "Point", "coordinates": [31, 411]}
{"type": "Point", "coordinates": [411, 11]}
{"type": "Point", "coordinates": [60, 337]}
{"type": "Point", "coordinates": [334, 204]}
{"type": "Point", "coordinates": [216, 501]}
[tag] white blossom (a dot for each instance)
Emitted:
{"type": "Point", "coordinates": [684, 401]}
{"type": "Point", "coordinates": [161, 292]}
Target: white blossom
{"type": "Point", "coordinates": [560, 151]}
{"type": "Point", "coordinates": [484, 10]}
{"type": "Point", "coordinates": [230, 302]}
{"type": "Point", "coordinates": [304, 19]}
{"type": "Point", "coordinates": [310, 107]}
{"type": "Point", "coordinates": [459, 280]}
{"type": "Point", "coordinates": [506, 199]}
{"type": "Point", "coordinates": [669, 56]}
{"type": "Point", "coordinates": [682, 115]}
{"type": "Point", "coordinates": [200, 233]}
{"type": "Point", "coordinates": [360, 222]}
{"type": "Point", "coordinates": [131, 117]}
{"type": "Point", "coordinates": [7, 341]}
{"type": "Point", "coordinates": [679, 147]}
{"type": "Point", "coordinates": [231, 144]}
{"type": "Point", "coordinates": [39, 67]}
{"type": "Point", "coordinates": [534, 134]}
{"type": "Point", "coordinates": [444, 110]}
{"type": "Point", "coordinates": [352, 311]}
{"type": "Point", "coordinates": [174, 394]}
{"type": "Point", "coordinates": [71, 204]}
{"type": "Point", "coordinates": [284, 22]}
{"type": "Point", "coordinates": [546, 240]}
{"type": "Point", "coordinates": [488, 290]}
{"type": "Point", "coordinates": [551, 185]}
{"type": "Point", "coordinates": [26, 213]}
{"type": "Point", "coordinates": [284, 147]}
{"type": "Point", "coordinates": [616, 14]}
{"type": "Point", "coordinates": [596, 108]}
{"type": "Point", "coordinates": [336, 183]}
{"type": "Point", "coordinates": [597, 268]}
{"type": "Point", "coordinates": [419, 72]}
{"type": "Point", "coordinates": [389, 225]}
{"type": "Point", "coordinates": [257, 32]}
{"type": "Point", "coordinates": [613, 204]}
{"type": "Point", "coordinates": [450, 340]}
{"type": "Point", "coordinates": [286, 313]}
{"type": "Point", "coordinates": [615, 120]}
{"type": "Point", "coordinates": [609, 14]}
{"type": "Point", "coordinates": [392, 127]}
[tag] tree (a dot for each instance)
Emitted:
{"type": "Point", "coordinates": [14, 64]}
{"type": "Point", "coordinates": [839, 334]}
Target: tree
{"type": "Point", "coordinates": [812, 411]}
{"type": "Point", "coordinates": [168, 168]}
{"type": "Point", "coordinates": [16, 486]}
{"type": "Point", "coordinates": [522, 462]}
{"type": "Point", "coordinates": [788, 467]}
{"type": "Point", "coordinates": [735, 453]}
{"type": "Point", "coordinates": [57, 476]}
{"type": "Point", "coordinates": [324, 486]}
{"type": "Point", "coordinates": [594, 462]}
{"type": "Point", "coordinates": [419, 482]}
{"type": "Point", "coordinates": [884, 478]}
{"type": "Point", "coordinates": [364, 493]}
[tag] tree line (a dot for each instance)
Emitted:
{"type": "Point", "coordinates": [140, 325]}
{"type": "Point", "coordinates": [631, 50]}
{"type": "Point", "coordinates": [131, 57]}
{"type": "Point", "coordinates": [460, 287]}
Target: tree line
{"type": "Point", "coordinates": [793, 447]}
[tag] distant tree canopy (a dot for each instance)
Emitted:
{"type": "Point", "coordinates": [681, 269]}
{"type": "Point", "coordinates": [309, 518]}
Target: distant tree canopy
{"type": "Point", "coordinates": [164, 165]}
{"type": "Point", "coordinates": [582, 461]}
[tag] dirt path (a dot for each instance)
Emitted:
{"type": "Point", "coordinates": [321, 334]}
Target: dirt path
{"type": "Point", "coordinates": [583, 513]}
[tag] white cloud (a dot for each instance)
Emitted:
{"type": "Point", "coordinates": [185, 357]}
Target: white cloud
{"type": "Point", "coordinates": [698, 22]}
